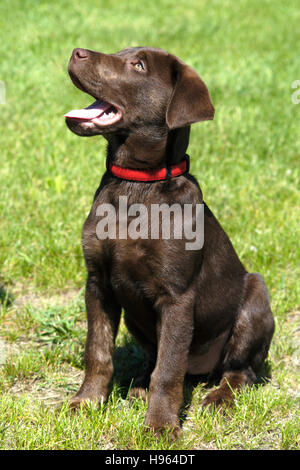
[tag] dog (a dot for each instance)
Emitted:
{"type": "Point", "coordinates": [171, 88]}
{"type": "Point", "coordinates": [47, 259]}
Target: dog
{"type": "Point", "coordinates": [195, 312]}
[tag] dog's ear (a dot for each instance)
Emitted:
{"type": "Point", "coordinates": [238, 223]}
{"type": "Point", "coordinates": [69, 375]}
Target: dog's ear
{"type": "Point", "coordinates": [190, 101]}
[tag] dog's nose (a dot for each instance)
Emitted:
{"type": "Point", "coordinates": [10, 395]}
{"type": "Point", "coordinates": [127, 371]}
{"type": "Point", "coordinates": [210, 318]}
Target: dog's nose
{"type": "Point", "coordinates": [80, 54]}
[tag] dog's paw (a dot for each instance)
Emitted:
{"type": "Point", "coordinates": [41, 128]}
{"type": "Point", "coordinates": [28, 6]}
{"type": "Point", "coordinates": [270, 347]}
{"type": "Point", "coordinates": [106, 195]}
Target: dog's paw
{"type": "Point", "coordinates": [84, 402]}
{"type": "Point", "coordinates": [138, 392]}
{"type": "Point", "coordinates": [217, 398]}
{"type": "Point", "coordinates": [160, 426]}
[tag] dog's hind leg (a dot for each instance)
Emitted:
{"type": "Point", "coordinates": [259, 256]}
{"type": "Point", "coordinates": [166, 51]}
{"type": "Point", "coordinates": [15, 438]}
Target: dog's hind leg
{"type": "Point", "coordinates": [248, 345]}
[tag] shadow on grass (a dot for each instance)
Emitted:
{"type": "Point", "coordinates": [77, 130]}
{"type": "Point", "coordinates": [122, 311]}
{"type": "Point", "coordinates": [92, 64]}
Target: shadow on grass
{"type": "Point", "coordinates": [6, 298]}
{"type": "Point", "coordinates": [130, 363]}
{"type": "Point", "coordinates": [265, 374]}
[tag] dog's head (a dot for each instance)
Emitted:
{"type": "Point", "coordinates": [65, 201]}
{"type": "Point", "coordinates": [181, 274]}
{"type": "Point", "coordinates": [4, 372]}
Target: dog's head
{"type": "Point", "coordinates": [135, 89]}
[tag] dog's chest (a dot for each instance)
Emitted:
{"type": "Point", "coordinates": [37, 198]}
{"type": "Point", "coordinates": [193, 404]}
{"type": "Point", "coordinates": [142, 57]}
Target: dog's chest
{"type": "Point", "coordinates": [137, 247]}
{"type": "Point", "coordinates": [136, 271]}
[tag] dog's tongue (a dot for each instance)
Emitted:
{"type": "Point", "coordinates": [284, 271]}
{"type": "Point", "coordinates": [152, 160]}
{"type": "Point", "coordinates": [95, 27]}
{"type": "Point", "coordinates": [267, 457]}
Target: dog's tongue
{"type": "Point", "coordinates": [93, 111]}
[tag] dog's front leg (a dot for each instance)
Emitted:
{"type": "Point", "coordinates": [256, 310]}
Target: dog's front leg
{"type": "Point", "coordinates": [166, 387]}
{"type": "Point", "coordinates": [103, 316]}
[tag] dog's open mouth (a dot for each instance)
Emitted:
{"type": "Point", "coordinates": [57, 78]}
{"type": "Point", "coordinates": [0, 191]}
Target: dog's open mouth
{"type": "Point", "coordinates": [99, 113]}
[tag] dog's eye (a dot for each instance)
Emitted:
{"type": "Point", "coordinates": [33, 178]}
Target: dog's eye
{"type": "Point", "coordinates": [139, 65]}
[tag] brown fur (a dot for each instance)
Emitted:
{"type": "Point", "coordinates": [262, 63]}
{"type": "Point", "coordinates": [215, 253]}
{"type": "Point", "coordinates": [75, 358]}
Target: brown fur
{"type": "Point", "coordinates": [177, 303]}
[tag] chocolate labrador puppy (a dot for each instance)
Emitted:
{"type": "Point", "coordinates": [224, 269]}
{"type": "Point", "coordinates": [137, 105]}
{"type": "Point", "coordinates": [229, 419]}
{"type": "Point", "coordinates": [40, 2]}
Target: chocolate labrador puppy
{"type": "Point", "coordinates": [194, 311]}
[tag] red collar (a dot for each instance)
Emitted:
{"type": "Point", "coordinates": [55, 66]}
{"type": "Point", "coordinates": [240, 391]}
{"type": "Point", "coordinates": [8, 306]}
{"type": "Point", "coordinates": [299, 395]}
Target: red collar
{"type": "Point", "coordinates": [159, 174]}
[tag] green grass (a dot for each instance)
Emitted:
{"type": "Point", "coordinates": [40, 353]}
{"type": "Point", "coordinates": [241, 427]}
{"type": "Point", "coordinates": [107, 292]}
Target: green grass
{"type": "Point", "coordinates": [246, 160]}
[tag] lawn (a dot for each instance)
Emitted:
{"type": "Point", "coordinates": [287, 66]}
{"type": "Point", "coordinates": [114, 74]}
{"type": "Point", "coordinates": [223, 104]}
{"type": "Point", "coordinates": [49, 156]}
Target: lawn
{"type": "Point", "coordinates": [247, 163]}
